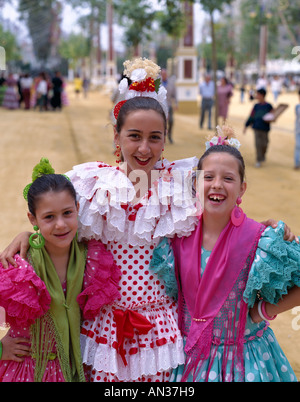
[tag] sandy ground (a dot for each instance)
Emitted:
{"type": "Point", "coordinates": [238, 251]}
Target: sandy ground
{"type": "Point", "coordinates": [82, 132]}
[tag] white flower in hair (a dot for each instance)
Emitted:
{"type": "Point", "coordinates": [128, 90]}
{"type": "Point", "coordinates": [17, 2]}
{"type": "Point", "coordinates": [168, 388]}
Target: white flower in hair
{"type": "Point", "coordinates": [123, 86]}
{"type": "Point", "coordinates": [162, 94]}
{"type": "Point", "coordinates": [213, 141]}
{"type": "Point", "coordinates": [224, 137]}
{"type": "Point", "coordinates": [234, 143]}
{"type": "Point", "coordinates": [138, 74]}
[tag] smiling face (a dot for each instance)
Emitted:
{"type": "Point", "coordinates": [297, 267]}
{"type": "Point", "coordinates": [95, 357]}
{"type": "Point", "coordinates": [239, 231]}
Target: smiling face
{"type": "Point", "coordinates": [141, 139]}
{"type": "Point", "coordinates": [56, 216]}
{"type": "Point", "coordinates": [222, 184]}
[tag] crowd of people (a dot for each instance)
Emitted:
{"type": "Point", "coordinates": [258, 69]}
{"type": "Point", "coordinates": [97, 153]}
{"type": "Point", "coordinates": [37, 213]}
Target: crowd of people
{"type": "Point", "coordinates": [170, 287]}
{"type": "Point", "coordinates": [42, 92]}
{"type": "Point", "coordinates": [262, 113]}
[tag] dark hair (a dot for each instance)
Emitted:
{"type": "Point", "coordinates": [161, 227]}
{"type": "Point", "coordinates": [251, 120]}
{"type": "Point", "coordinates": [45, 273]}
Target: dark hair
{"type": "Point", "coordinates": [139, 103]}
{"type": "Point", "coordinates": [262, 91]}
{"type": "Point", "coordinates": [45, 183]}
{"type": "Point", "coordinates": [225, 149]}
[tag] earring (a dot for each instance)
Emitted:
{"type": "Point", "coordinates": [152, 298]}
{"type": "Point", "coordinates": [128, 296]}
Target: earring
{"type": "Point", "coordinates": [162, 159]}
{"type": "Point", "coordinates": [237, 214]}
{"type": "Point", "coordinates": [32, 237]}
{"type": "Point", "coordinates": [117, 154]}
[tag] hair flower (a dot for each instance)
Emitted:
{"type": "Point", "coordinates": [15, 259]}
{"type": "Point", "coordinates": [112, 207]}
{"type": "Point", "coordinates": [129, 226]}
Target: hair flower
{"type": "Point", "coordinates": [234, 143]}
{"type": "Point", "coordinates": [145, 82]}
{"type": "Point", "coordinates": [162, 94]}
{"type": "Point", "coordinates": [225, 136]}
{"type": "Point", "coordinates": [138, 74]}
{"type": "Point", "coordinates": [213, 141]}
{"type": "Point", "coordinates": [123, 86]}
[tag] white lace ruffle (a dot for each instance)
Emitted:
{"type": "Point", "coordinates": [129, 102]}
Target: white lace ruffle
{"type": "Point", "coordinates": [146, 363]}
{"type": "Point", "coordinates": [106, 211]}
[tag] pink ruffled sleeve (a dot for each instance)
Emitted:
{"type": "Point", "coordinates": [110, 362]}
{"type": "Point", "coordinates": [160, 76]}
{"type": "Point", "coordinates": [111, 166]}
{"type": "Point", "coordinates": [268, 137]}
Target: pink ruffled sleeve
{"type": "Point", "coordinates": [101, 280]}
{"type": "Point", "coordinates": [23, 294]}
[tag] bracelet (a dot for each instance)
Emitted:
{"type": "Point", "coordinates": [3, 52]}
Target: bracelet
{"type": "Point", "coordinates": [1, 350]}
{"type": "Point", "coordinates": [262, 311]}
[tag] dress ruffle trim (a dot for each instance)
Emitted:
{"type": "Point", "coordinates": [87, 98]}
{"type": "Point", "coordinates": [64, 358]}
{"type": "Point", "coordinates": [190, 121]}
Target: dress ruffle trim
{"type": "Point", "coordinates": [148, 362]}
{"type": "Point", "coordinates": [146, 354]}
{"type": "Point", "coordinates": [163, 264]}
{"type": "Point", "coordinates": [23, 294]}
{"type": "Point", "coordinates": [107, 213]}
{"type": "Point", "coordinates": [101, 280]}
{"type": "Point", "coordinates": [276, 267]}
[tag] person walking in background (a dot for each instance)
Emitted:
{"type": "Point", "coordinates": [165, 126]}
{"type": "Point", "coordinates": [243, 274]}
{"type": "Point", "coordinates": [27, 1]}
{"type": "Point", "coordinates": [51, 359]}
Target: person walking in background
{"type": "Point", "coordinates": [224, 91]}
{"type": "Point", "coordinates": [57, 87]}
{"type": "Point", "coordinates": [26, 83]}
{"type": "Point", "coordinates": [261, 83]}
{"type": "Point", "coordinates": [2, 88]}
{"type": "Point", "coordinates": [170, 85]}
{"type": "Point", "coordinates": [297, 134]}
{"type": "Point", "coordinates": [276, 87]}
{"type": "Point", "coordinates": [77, 85]}
{"type": "Point", "coordinates": [242, 90]}
{"type": "Point", "coordinates": [10, 100]}
{"type": "Point", "coordinates": [42, 92]}
{"type": "Point", "coordinates": [260, 126]}
{"type": "Point", "coordinates": [85, 86]}
{"type": "Point", "coordinates": [207, 92]}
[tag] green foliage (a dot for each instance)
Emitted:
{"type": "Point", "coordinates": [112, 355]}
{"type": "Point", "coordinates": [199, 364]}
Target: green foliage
{"type": "Point", "coordinates": [9, 43]}
{"type": "Point", "coordinates": [74, 47]}
{"type": "Point", "coordinates": [137, 17]}
{"type": "Point", "coordinates": [171, 19]}
{"type": "Point", "coordinates": [212, 5]}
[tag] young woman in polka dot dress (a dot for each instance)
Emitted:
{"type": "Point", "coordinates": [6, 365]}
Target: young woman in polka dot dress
{"type": "Point", "coordinates": [136, 338]}
{"type": "Point", "coordinates": [223, 266]}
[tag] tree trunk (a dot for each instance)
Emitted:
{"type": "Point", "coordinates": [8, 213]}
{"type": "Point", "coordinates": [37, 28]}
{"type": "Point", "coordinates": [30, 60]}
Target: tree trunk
{"type": "Point", "coordinates": [214, 64]}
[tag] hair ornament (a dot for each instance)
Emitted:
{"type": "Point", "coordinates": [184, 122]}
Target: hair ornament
{"type": "Point", "coordinates": [118, 107]}
{"type": "Point", "coordinates": [144, 75]}
{"type": "Point", "coordinates": [42, 168]}
{"type": "Point", "coordinates": [225, 137]}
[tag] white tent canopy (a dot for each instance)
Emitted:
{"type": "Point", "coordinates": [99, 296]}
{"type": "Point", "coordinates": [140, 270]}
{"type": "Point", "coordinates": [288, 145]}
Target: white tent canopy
{"type": "Point", "coordinates": [278, 66]}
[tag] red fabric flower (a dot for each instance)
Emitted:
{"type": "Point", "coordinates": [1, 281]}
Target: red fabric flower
{"type": "Point", "coordinates": [147, 85]}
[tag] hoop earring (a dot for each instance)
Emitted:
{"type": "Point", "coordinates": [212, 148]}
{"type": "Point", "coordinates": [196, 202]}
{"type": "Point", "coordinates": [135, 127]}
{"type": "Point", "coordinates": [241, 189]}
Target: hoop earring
{"type": "Point", "coordinates": [33, 236]}
{"type": "Point", "coordinates": [237, 214]}
{"type": "Point", "coordinates": [117, 154]}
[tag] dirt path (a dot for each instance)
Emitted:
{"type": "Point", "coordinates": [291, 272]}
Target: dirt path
{"type": "Point", "coordinates": [82, 132]}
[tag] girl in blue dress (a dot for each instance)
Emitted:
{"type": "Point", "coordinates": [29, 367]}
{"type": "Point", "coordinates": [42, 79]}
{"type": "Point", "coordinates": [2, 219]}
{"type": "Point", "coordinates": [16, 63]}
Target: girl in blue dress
{"type": "Point", "coordinates": [225, 267]}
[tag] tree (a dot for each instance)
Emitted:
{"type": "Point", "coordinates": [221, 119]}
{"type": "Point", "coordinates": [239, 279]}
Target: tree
{"type": "Point", "coordinates": [9, 43]}
{"type": "Point", "coordinates": [91, 24]}
{"type": "Point", "coordinates": [41, 17]}
{"type": "Point", "coordinates": [211, 6]}
{"type": "Point", "coordinates": [137, 17]}
{"type": "Point", "coordinates": [172, 21]}
{"type": "Point", "coordinates": [74, 48]}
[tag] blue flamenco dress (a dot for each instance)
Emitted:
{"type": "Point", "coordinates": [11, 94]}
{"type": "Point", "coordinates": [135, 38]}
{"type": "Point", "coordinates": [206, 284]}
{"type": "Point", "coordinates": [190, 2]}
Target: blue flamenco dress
{"type": "Point", "coordinates": [275, 269]}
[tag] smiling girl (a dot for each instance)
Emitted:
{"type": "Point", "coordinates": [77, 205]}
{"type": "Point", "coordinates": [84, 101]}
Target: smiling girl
{"type": "Point", "coordinates": [39, 296]}
{"type": "Point", "coordinates": [223, 267]}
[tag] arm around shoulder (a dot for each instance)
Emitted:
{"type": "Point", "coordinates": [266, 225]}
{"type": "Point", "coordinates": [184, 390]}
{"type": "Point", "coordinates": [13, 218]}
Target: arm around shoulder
{"type": "Point", "coordinates": [20, 244]}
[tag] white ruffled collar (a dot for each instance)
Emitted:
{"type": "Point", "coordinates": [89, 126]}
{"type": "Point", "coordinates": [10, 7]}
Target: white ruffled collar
{"type": "Point", "coordinates": [108, 213]}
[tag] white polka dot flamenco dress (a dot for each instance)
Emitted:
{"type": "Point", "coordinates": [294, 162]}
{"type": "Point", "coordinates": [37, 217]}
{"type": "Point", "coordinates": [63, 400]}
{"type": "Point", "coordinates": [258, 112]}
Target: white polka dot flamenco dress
{"type": "Point", "coordinates": [135, 338]}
